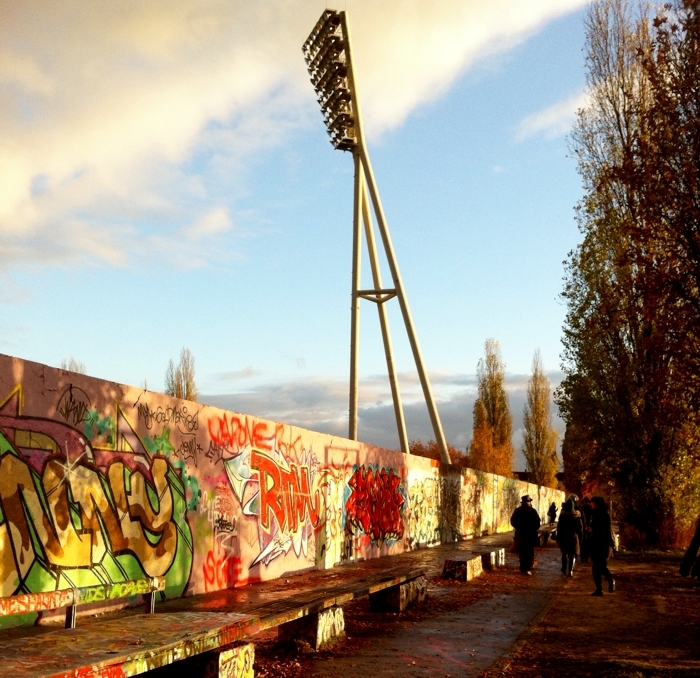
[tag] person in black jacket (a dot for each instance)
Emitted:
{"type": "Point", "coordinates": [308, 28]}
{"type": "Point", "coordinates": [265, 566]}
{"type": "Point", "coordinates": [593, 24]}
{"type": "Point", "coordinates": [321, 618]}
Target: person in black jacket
{"type": "Point", "coordinates": [552, 513]}
{"type": "Point", "coordinates": [601, 543]}
{"type": "Point", "coordinates": [526, 522]}
{"type": "Point", "coordinates": [569, 535]}
{"type": "Point", "coordinates": [689, 564]}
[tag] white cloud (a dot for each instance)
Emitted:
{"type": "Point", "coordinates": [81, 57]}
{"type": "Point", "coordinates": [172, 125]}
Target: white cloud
{"type": "Point", "coordinates": [102, 105]}
{"type": "Point", "coordinates": [554, 121]}
{"type": "Point", "coordinates": [216, 221]}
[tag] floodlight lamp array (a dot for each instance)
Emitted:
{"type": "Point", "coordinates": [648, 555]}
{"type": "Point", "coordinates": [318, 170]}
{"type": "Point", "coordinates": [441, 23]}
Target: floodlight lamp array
{"type": "Point", "coordinates": [327, 57]}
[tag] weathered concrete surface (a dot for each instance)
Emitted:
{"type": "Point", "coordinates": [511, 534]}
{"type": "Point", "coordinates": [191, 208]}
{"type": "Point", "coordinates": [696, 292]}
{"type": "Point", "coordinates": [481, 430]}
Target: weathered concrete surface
{"type": "Point", "coordinates": [399, 598]}
{"type": "Point", "coordinates": [318, 629]}
{"type": "Point", "coordinates": [462, 642]}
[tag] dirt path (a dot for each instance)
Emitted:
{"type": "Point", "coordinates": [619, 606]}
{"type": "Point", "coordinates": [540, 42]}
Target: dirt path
{"type": "Point", "coordinates": [649, 627]}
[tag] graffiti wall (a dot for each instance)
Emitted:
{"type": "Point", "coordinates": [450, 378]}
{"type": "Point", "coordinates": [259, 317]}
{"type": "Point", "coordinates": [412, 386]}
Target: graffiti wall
{"type": "Point", "coordinates": [102, 483]}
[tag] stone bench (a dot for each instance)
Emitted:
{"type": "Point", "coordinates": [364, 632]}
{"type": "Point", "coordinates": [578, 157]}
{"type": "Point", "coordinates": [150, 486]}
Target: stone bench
{"type": "Point", "coordinates": [467, 567]}
{"type": "Point", "coordinates": [547, 531]}
{"type": "Point", "coordinates": [212, 643]}
{"type": "Point", "coordinates": [322, 621]}
{"type": "Point", "coordinates": [25, 603]}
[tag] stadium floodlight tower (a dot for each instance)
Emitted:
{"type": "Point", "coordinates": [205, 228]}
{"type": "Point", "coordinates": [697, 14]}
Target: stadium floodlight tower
{"type": "Point", "coordinates": [328, 54]}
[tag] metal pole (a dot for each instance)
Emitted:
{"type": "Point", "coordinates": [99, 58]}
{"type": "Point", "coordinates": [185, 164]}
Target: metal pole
{"type": "Point", "coordinates": [355, 308]}
{"type": "Point", "coordinates": [384, 323]}
{"type": "Point", "coordinates": [389, 249]}
{"type": "Point", "coordinates": [405, 311]}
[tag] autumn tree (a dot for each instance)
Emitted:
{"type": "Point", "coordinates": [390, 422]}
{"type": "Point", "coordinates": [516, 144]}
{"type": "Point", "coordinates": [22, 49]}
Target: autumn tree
{"type": "Point", "coordinates": [432, 451]}
{"type": "Point", "coordinates": [540, 437]}
{"type": "Point", "coordinates": [491, 448]}
{"type": "Point", "coordinates": [631, 350]}
{"type": "Point", "coordinates": [179, 379]}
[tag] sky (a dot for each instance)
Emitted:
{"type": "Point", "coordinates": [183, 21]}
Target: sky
{"type": "Point", "coordinates": [166, 180]}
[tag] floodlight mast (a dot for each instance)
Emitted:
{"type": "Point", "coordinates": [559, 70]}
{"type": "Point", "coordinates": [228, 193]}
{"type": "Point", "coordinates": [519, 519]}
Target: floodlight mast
{"type": "Point", "coordinates": [328, 54]}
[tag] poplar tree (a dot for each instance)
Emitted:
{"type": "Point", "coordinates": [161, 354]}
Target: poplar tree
{"type": "Point", "coordinates": [540, 437]}
{"type": "Point", "coordinates": [491, 448]}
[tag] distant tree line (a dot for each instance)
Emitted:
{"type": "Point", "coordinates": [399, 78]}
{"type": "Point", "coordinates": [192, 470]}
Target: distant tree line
{"type": "Point", "coordinates": [491, 448]}
{"type": "Point", "coordinates": [631, 395]}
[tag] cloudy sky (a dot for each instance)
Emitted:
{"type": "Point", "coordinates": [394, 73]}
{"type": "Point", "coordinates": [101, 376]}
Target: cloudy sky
{"type": "Point", "coordinates": [166, 181]}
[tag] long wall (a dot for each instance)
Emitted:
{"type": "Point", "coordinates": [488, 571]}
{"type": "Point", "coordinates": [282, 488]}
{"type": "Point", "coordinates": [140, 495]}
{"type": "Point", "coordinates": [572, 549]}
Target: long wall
{"type": "Point", "coordinates": [101, 482]}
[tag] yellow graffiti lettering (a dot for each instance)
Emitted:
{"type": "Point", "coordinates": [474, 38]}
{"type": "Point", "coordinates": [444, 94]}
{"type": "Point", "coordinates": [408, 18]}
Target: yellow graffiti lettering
{"type": "Point", "coordinates": [136, 514]}
{"type": "Point", "coordinates": [17, 488]}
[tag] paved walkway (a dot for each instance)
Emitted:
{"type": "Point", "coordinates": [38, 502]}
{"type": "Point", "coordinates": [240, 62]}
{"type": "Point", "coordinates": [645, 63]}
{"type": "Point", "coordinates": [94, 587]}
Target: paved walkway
{"type": "Point", "coordinates": [462, 637]}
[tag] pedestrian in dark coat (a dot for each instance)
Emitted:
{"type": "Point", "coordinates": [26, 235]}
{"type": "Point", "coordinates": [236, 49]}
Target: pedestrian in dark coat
{"type": "Point", "coordinates": [601, 544]}
{"type": "Point", "coordinates": [569, 535]}
{"type": "Point", "coordinates": [689, 564]}
{"type": "Point", "coordinates": [552, 513]}
{"type": "Point", "coordinates": [526, 522]}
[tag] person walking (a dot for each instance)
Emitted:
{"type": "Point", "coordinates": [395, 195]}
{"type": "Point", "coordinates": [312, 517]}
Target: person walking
{"type": "Point", "coordinates": [552, 513]}
{"type": "Point", "coordinates": [569, 536]}
{"type": "Point", "coordinates": [600, 543]}
{"type": "Point", "coordinates": [526, 522]}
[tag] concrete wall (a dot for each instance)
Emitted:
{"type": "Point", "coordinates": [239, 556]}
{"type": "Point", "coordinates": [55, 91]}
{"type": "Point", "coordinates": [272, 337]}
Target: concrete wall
{"type": "Point", "coordinates": [101, 482]}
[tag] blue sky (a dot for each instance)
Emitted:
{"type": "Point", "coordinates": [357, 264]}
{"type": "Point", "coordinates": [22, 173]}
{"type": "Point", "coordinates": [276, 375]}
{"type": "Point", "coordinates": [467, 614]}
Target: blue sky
{"type": "Point", "coordinates": [167, 182]}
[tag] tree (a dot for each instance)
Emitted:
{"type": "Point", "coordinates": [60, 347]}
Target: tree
{"type": "Point", "coordinates": [631, 350]}
{"type": "Point", "coordinates": [432, 451]}
{"type": "Point", "coordinates": [179, 379]}
{"type": "Point", "coordinates": [73, 365]}
{"type": "Point", "coordinates": [491, 448]}
{"type": "Point", "coordinates": [540, 438]}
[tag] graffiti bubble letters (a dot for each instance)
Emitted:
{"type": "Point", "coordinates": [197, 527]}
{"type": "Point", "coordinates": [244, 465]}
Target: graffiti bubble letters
{"type": "Point", "coordinates": [375, 504]}
{"type": "Point", "coordinates": [172, 416]}
{"type": "Point", "coordinates": [73, 405]}
{"type": "Point", "coordinates": [284, 493]}
{"type": "Point", "coordinates": [235, 433]}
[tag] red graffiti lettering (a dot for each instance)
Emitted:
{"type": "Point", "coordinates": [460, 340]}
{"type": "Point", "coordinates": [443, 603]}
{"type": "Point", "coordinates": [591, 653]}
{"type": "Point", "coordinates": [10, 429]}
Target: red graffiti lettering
{"type": "Point", "coordinates": [375, 504]}
{"type": "Point", "coordinates": [235, 433]}
{"type": "Point", "coordinates": [286, 493]}
{"type": "Point", "coordinates": [221, 572]}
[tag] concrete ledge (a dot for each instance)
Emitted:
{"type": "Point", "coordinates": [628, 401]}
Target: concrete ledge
{"type": "Point", "coordinates": [317, 629]}
{"type": "Point", "coordinates": [490, 560]}
{"type": "Point", "coordinates": [230, 661]}
{"type": "Point", "coordinates": [465, 568]}
{"type": "Point", "coordinates": [398, 598]}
